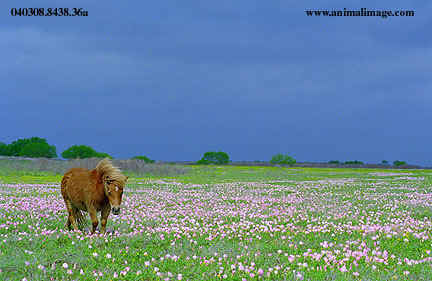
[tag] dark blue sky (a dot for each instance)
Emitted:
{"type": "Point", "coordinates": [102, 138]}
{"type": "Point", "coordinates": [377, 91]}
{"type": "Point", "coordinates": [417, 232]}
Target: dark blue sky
{"type": "Point", "coordinates": [253, 78]}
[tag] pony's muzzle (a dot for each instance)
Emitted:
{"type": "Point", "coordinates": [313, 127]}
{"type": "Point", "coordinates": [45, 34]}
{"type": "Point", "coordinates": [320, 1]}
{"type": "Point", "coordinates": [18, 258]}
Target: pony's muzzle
{"type": "Point", "coordinates": [115, 210]}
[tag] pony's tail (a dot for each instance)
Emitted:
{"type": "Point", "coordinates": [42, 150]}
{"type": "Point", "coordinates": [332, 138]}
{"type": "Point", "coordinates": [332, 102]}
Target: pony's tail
{"type": "Point", "coordinates": [80, 219]}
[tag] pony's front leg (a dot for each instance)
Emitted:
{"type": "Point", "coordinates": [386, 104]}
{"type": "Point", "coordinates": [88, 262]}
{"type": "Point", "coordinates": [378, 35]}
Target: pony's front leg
{"type": "Point", "coordinates": [93, 216]}
{"type": "Point", "coordinates": [104, 217]}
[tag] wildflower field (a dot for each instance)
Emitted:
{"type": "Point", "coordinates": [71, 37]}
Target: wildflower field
{"type": "Point", "coordinates": [232, 223]}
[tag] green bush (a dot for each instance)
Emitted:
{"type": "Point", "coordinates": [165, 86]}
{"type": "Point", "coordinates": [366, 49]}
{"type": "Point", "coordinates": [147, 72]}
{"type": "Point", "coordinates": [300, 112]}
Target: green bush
{"type": "Point", "coordinates": [3, 148]}
{"type": "Point", "coordinates": [103, 155]}
{"type": "Point", "coordinates": [144, 158]}
{"type": "Point", "coordinates": [334, 162]}
{"type": "Point", "coordinates": [399, 163]}
{"type": "Point", "coordinates": [29, 147]}
{"type": "Point", "coordinates": [15, 148]}
{"type": "Point", "coordinates": [38, 150]}
{"type": "Point", "coordinates": [384, 162]}
{"type": "Point", "coordinates": [81, 152]}
{"type": "Point", "coordinates": [282, 159]}
{"type": "Point", "coordinates": [355, 162]}
{"type": "Point", "coordinates": [212, 157]}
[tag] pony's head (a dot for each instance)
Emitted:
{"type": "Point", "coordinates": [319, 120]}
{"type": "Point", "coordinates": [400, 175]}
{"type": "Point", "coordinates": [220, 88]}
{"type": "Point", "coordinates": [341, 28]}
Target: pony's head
{"type": "Point", "coordinates": [114, 182]}
{"type": "Point", "coordinates": [114, 192]}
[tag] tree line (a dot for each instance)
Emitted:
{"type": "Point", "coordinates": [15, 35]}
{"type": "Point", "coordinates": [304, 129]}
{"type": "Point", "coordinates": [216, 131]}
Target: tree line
{"type": "Point", "coordinates": [36, 147]}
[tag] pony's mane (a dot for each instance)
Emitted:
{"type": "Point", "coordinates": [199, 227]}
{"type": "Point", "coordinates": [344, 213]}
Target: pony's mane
{"type": "Point", "coordinates": [105, 167]}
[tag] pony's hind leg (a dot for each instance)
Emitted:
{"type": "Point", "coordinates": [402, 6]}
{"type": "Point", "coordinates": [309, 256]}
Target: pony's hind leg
{"type": "Point", "coordinates": [93, 216]}
{"type": "Point", "coordinates": [68, 223]}
{"type": "Point", "coordinates": [71, 218]}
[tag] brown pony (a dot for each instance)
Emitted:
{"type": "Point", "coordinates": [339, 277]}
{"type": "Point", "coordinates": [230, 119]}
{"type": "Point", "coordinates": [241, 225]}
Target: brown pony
{"type": "Point", "coordinates": [100, 189]}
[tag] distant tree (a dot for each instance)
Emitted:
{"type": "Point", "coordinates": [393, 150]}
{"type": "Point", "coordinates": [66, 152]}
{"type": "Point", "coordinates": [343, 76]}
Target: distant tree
{"type": "Point", "coordinates": [384, 162]}
{"type": "Point", "coordinates": [399, 163]}
{"type": "Point", "coordinates": [29, 147]}
{"type": "Point", "coordinates": [3, 148]}
{"type": "Point", "coordinates": [144, 158]}
{"type": "Point", "coordinates": [282, 159]}
{"type": "Point", "coordinates": [212, 157]}
{"type": "Point", "coordinates": [36, 150]}
{"type": "Point", "coordinates": [334, 162]}
{"type": "Point", "coordinates": [355, 162]}
{"type": "Point", "coordinates": [14, 148]}
{"type": "Point", "coordinates": [103, 155]}
{"type": "Point", "coordinates": [81, 152]}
